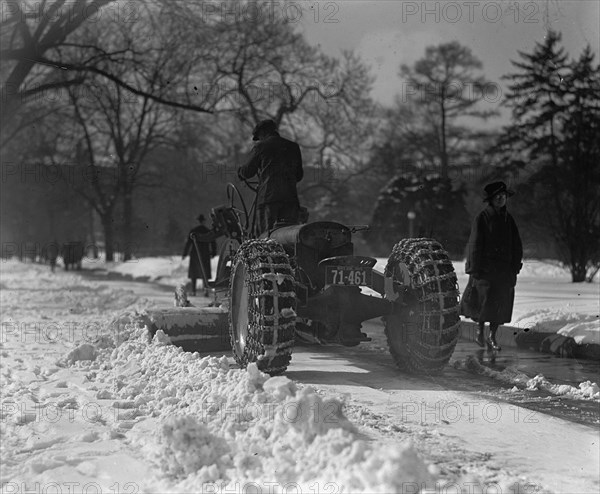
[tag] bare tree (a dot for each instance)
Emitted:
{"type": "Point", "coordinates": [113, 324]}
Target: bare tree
{"type": "Point", "coordinates": [231, 69]}
{"type": "Point", "coordinates": [265, 68]}
{"type": "Point", "coordinates": [444, 83]}
{"type": "Point", "coordinates": [32, 34]}
{"type": "Point", "coordinates": [43, 50]}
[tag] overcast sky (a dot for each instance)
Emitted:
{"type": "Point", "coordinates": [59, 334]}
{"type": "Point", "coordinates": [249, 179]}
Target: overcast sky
{"type": "Point", "coordinates": [388, 33]}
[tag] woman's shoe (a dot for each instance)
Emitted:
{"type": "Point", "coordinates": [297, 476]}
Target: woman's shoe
{"type": "Point", "coordinates": [492, 345]}
{"type": "Point", "coordinates": [479, 339]}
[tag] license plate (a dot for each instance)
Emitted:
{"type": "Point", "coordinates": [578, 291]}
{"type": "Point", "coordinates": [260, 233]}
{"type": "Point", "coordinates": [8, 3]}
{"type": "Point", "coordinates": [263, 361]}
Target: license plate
{"type": "Point", "coordinates": [348, 275]}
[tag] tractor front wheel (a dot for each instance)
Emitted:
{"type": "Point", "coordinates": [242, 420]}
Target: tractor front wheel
{"type": "Point", "coordinates": [262, 310]}
{"type": "Point", "coordinates": [422, 336]}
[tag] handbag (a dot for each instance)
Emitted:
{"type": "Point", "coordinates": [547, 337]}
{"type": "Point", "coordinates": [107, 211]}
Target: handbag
{"type": "Point", "coordinates": [469, 302]}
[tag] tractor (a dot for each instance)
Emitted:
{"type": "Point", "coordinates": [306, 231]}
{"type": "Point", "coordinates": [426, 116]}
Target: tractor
{"type": "Point", "coordinates": [304, 282]}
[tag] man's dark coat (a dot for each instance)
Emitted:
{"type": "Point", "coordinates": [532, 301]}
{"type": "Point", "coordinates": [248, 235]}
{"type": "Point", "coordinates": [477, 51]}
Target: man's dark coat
{"type": "Point", "coordinates": [494, 255]}
{"type": "Point", "coordinates": [207, 250]}
{"type": "Point", "coordinates": [278, 163]}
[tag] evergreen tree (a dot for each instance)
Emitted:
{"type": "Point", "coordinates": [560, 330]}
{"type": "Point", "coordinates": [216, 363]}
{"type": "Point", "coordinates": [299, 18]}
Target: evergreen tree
{"type": "Point", "coordinates": [553, 142]}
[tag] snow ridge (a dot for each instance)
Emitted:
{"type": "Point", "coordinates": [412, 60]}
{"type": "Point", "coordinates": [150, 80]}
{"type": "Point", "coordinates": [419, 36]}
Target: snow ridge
{"type": "Point", "coordinates": [201, 421]}
{"type": "Point", "coordinates": [585, 391]}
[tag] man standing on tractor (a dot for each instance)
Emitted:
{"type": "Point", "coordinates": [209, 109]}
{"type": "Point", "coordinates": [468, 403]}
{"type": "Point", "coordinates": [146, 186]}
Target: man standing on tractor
{"type": "Point", "coordinates": [278, 164]}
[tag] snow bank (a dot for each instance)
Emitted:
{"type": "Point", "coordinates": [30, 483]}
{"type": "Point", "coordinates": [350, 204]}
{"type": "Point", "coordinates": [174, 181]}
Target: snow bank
{"type": "Point", "coordinates": [532, 268]}
{"type": "Point", "coordinates": [585, 391]}
{"type": "Point", "coordinates": [88, 401]}
{"type": "Point", "coordinates": [582, 328]}
{"type": "Point", "coordinates": [200, 421]}
{"type": "Point", "coordinates": [152, 268]}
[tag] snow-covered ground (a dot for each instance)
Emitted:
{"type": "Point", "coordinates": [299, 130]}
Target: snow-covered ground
{"type": "Point", "coordinates": [90, 405]}
{"type": "Point", "coordinates": [545, 299]}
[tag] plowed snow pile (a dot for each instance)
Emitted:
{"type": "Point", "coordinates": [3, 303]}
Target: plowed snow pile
{"type": "Point", "coordinates": [206, 423]}
{"type": "Point", "coordinates": [90, 404]}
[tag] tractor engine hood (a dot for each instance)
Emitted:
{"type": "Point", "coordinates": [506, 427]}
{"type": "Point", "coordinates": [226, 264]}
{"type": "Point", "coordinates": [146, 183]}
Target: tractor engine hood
{"type": "Point", "coordinates": [313, 235]}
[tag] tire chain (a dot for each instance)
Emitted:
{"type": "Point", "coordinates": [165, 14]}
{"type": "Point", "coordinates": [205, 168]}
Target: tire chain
{"type": "Point", "coordinates": [433, 278]}
{"type": "Point", "coordinates": [271, 289]}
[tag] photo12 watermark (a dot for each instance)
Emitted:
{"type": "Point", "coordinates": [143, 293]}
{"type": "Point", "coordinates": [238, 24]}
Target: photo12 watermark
{"type": "Point", "coordinates": [442, 11]}
{"type": "Point", "coordinates": [52, 12]}
{"type": "Point", "coordinates": [292, 412]}
{"type": "Point", "coordinates": [311, 91]}
{"type": "Point", "coordinates": [317, 12]}
{"type": "Point", "coordinates": [469, 487]}
{"type": "Point", "coordinates": [74, 173]}
{"type": "Point", "coordinates": [452, 412]}
{"type": "Point", "coordinates": [129, 12]}
{"type": "Point", "coordinates": [454, 91]}
{"type": "Point", "coordinates": [67, 410]}
{"type": "Point", "coordinates": [51, 332]}
{"type": "Point", "coordinates": [67, 487]}
{"type": "Point", "coordinates": [108, 409]}
{"type": "Point", "coordinates": [273, 487]}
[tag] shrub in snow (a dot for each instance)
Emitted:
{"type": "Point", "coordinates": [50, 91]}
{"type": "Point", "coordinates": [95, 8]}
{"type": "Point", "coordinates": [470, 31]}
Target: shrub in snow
{"type": "Point", "coordinates": [186, 445]}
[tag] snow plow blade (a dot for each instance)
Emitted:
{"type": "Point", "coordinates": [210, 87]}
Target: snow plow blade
{"type": "Point", "coordinates": [195, 329]}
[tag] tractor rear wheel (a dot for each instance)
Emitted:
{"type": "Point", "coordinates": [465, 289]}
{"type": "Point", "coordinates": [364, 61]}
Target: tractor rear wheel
{"type": "Point", "coordinates": [422, 338]}
{"type": "Point", "coordinates": [262, 310]}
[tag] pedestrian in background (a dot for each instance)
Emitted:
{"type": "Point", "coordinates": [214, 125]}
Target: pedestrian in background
{"type": "Point", "coordinates": [494, 259]}
{"type": "Point", "coordinates": [50, 253]}
{"type": "Point", "coordinates": [207, 250]}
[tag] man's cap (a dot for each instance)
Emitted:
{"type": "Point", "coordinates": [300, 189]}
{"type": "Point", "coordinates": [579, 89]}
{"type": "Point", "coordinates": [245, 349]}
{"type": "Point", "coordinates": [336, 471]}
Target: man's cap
{"type": "Point", "coordinates": [495, 188]}
{"type": "Point", "coordinates": [263, 125]}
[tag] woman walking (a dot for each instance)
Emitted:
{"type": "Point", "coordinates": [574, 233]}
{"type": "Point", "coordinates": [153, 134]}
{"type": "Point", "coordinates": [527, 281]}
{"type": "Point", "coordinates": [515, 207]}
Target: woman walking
{"type": "Point", "coordinates": [494, 259]}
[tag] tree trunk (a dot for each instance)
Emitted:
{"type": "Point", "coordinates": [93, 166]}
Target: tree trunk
{"type": "Point", "coordinates": [107, 226]}
{"type": "Point", "coordinates": [127, 224]}
{"type": "Point", "coordinates": [443, 136]}
{"type": "Point", "coordinates": [92, 230]}
{"type": "Point", "coordinates": [579, 256]}
{"type": "Point", "coordinates": [578, 272]}
{"type": "Point", "coordinates": [11, 91]}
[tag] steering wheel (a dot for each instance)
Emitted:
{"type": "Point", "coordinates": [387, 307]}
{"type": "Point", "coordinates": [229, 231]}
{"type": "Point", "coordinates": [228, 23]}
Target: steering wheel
{"type": "Point", "coordinates": [251, 215]}
{"type": "Point", "coordinates": [251, 184]}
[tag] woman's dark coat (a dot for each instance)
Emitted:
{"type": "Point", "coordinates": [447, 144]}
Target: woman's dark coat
{"type": "Point", "coordinates": [494, 255]}
{"type": "Point", "coordinates": [207, 250]}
